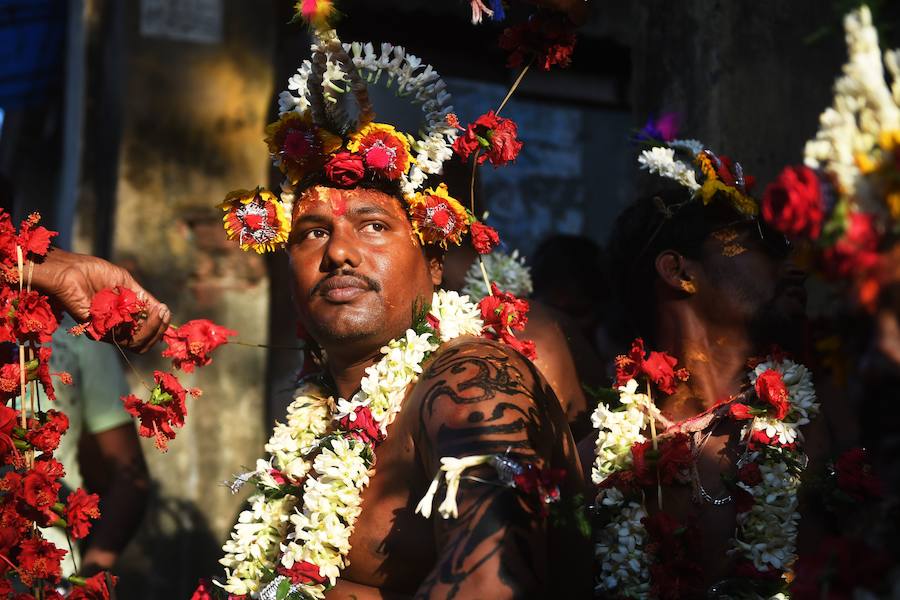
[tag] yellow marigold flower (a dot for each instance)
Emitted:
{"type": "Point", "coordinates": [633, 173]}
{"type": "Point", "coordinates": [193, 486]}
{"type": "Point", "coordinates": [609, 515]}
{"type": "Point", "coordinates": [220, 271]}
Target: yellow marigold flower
{"type": "Point", "coordinates": [889, 140]}
{"type": "Point", "coordinates": [298, 146]}
{"type": "Point", "coordinates": [866, 163]}
{"type": "Point", "coordinates": [384, 150]}
{"type": "Point", "coordinates": [706, 166]}
{"type": "Point", "coordinates": [743, 203]}
{"type": "Point", "coordinates": [256, 218]}
{"type": "Point", "coordinates": [437, 218]}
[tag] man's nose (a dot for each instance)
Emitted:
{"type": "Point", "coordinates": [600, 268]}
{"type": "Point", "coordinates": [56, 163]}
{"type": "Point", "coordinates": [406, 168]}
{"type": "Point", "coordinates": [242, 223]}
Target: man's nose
{"type": "Point", "coordinates": [342, 249]}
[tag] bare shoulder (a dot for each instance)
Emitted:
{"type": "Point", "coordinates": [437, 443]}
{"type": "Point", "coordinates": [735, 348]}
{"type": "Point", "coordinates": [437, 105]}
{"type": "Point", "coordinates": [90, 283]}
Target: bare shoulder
{"type": "Point", "coordinates": [478, 396]}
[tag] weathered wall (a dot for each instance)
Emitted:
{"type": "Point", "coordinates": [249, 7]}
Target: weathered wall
{"type": "Point", "coordinates": [193, 114]}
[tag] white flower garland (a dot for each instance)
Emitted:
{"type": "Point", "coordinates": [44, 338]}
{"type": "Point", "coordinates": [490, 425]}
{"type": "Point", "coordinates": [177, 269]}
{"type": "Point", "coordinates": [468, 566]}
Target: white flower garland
{"type": "Point", "coordinates": [765, 535]}
{"type": "Point", "coordinates": [508, 271]}
{"type": "Point", "coordinates": [661, 161]}
{"type": "Point", "coordinates": [864, 106]}
{"type": "Point", "coordinates": [279, 528]}
{"type": "Point", "coordinates": [421, 83]}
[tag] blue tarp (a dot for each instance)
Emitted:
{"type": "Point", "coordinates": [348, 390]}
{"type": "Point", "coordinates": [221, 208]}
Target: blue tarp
{"type": "Point", "coordinates": [32, 35]}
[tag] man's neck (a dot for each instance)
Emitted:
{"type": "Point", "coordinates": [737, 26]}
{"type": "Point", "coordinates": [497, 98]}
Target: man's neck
{"type": "Point", "coordinates": [347, 371]}
{"type": "Point", "coordinates": [716, 357]}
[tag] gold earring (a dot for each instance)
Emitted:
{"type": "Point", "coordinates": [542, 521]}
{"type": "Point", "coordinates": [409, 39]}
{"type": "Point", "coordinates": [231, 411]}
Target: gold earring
{"type": "Point", "coordinates": [688, 286]}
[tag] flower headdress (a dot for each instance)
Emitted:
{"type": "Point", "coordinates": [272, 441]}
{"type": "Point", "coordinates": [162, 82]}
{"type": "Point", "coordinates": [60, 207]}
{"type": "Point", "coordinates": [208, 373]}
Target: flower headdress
{"type": "Point", "coordinates": [316, 140]}
{"type": "Point", "coordinates": [700, 170]}
{"type": "Point", "coordinates": [846, 195]}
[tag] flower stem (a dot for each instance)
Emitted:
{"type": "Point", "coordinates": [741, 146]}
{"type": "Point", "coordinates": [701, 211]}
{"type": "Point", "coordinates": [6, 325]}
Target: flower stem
{"type": "Point", "coordinates": [131, 366]}
{"type": "Point", "coordinates": [515, 86]}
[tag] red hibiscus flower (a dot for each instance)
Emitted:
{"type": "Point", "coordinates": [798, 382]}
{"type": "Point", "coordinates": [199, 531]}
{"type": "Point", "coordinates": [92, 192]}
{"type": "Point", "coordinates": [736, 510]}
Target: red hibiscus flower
{"type": "Point", "coordinates": [81, 508]}
{"type": "Point", "coordinates": [165, 410]}
{"type": "Point", "coordinates": [856, 251]}
{"type": "Point", "coordinates": [112, 308]}
{"type": "Point", "coordinates": [190, 345]}
{"type": "Point", "coordinates": [33, 238]}
{"type": "Point", "coordinates": [494, 136]}
{"type": "Point", "coordinates": [94, 588]}
{"type": "Point", "coordinates": [792, 204]}
{"type": "Point", "coordinates": [345, 169]}
{"type": "Point", "coordinates": [302, 573]}
{"type": "Point", "coordinates": [45, 436]}
{"type": "Point", "coordinates": [40, 488]}
{"type": "Point", "coordinates": [502, 313]}
{"type": "Point", "coordinates": [34, 319]}
{"type": "Point", "coordinates": [549, 39]}
{"type": "Point", "coordinates": [771, 390]}
{"type": "Point", "coordinates": [484, 238]}
{"type": "Point", "coordinates": [39, 559]}
{"type": "Point", "coordinates": [855, 477]}
{"type": "Point", "coordinates": [362, 426]}
{"type": "Point", "coordinates": [8, 420]}
{"type": "Point", "coordinates": [658, 367]}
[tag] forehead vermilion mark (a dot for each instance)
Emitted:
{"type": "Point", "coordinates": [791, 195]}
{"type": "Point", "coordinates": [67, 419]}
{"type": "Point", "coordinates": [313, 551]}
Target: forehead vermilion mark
{"type": "Point", "coordinates": [337, 202]}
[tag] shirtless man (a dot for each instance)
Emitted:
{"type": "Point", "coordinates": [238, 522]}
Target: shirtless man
{"type": "Point", "coordinates": [712, 288]}
{"type": "Point", "coordinates": [357, 275]}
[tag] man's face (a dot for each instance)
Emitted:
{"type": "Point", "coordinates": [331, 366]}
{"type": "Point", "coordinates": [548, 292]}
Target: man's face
{"type": "Point", "coordinates": [749, 278]}
{"type": "Point", "coordinates": [358, 269]}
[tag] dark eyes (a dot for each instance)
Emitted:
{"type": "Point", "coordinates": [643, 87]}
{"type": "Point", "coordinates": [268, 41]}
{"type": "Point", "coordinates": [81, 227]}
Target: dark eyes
{"type": "Point", "coordinates": [377, 227]}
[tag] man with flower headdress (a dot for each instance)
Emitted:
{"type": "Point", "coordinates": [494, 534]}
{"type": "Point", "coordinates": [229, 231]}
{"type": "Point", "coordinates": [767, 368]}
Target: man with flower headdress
{"type": "Point", "coordinates": [702, 462]}
{"type": "Point", "coordinates": [425, 460]}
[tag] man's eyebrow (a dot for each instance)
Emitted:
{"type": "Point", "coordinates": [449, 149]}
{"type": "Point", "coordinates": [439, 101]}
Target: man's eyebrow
{"type": "Point", "coordinates": [369, 210]}
{"type": "Point", "coordinates": [313, 219]}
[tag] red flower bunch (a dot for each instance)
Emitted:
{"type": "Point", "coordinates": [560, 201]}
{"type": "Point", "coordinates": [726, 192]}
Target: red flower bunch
{"type": "Point", "coordinates": [362, 426]}
{"type": "Point", "coordinates": [39, 560]}
{"type": "Point", "coordinates": [793, 204]}
{"type": "Point", "coordinates": [114, 309]}
{"type": "Point", "coordinates": [542, 484]}
{"type": "Point", "coordinates": [484, 238]}
{"type": "Point", "coordinates": [44, 434]}
{"type": "Point", "coordinates": [302, 573]}
{"type": "Point", "coordinates": [33, 239]}
{"type": "Point", "coordinates": [191, 344]}
{"type": "Point", "coordinates": [856, 250]}
{"type": "Point", "coordinates": [669, 463]}
{"type": "Point", "coordinates": [548, 39]}
{"type": "Point", "coordinates": [495, 136]}
{"type": "Point", "coordinates": [772, 392]}
{"type": "Point", "coordinates": [165, 410]}
{"type": "Point", "coordinates": [658, 367]}
{"type": "Point", "coordinates": [502, 313]}
{"type": "Point", "coordinates": [855, 477]}
{"type": "Point", "coordinates": [26, 317]}
{"type": "Point", "coordinates": [674, 573]}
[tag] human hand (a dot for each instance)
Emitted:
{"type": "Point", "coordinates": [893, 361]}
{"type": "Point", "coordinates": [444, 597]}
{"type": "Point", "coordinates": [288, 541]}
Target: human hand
{"type": "Point", "coordinates": [73, 280]}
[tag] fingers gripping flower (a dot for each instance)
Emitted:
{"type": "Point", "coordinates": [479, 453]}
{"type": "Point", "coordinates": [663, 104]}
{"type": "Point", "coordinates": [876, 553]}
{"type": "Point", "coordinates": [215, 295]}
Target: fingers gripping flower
{"type": "Point", "coordinates": [116, 309]}
{"type": "Point", "coordinates": [494, 136]}
{"type": "Point", "coordinates": [256, 218]}
{"type": "Point", "coordinates": [191, 344]}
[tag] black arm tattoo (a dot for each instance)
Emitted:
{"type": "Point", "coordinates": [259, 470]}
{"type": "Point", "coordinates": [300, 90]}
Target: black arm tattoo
{"type": "Point", "coordinates": [481, 399]}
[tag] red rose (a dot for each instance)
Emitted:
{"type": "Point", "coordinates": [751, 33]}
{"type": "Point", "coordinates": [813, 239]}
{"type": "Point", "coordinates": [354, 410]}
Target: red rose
{"type": "Point", "coordinates": [484, 238]}
{"type": "Point", "coordinates": [855, 477]}
{"type": "Point", "coordinates": [81, 508]}
{"type": "Point", "coordinates": [792, 204]}
{"type": "Point", "coordinates": [771, 390]}
{"type": "Point", "coordinates": [740, 411]}
{"type": "Point", "coordinates": [362, 426]}
{"type": "Point", "coordinates": [302, 573]}
{"type": "Point", "coordinates": [345, 168]}
{"type": "Point", "coordinates": [94, 588]}
{"type": "Point", "coordinates": [856, 250]}
{"type": "Point", "coordinates": [111, 308]}
{"type": "Point", "coordinates": [39, 559]}
{"type": "Point", "coordinates": [34, 319]}
{"type": "Point", "coordinates": [190, 345]}
{"type": "Point", "coordinates": [750, 474]}
{"type": "Point", "coordinates": [45, 437]}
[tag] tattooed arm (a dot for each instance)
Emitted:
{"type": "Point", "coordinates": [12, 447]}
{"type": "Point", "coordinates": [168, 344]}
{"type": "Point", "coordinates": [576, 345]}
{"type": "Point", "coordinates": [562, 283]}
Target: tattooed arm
{"type": "Point", "coordinates": [477, 398]}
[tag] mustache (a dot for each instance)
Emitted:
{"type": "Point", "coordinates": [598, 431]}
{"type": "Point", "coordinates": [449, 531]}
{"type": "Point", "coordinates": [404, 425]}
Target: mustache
{"type": "Point", "coordinates": [370, 283]}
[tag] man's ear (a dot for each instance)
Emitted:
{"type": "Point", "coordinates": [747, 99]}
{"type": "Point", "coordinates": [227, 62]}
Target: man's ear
{"type": "Point", "coordinates": [435, 260]}
{"type": "Point", "coordinates": [675, 271]}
